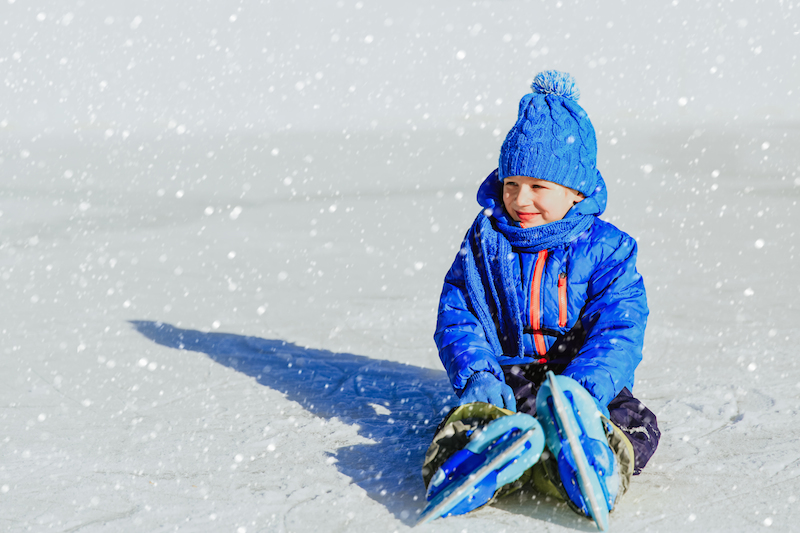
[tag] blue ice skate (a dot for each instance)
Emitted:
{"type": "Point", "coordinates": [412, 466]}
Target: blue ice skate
{"type": "Point", "coordinates": [575, 436]}
{"type": "Point", "coordinates": [496, 456]}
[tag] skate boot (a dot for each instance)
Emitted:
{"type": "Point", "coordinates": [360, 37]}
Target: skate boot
{"type": "Point", "coordinates": [576, 437]}
{"type": "Point", "coordinates": [495, 456]}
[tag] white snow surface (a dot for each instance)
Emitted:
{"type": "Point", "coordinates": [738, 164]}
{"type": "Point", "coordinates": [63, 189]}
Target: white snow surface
{"type": "Point", "coordinates": [225, 228]}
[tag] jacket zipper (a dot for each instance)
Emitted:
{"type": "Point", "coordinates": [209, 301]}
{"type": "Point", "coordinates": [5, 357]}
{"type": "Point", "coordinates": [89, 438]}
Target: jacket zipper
{"type": "Point", "coordinates": [562, 299]}
{"type": "Point", "coordinates": [536, 285]}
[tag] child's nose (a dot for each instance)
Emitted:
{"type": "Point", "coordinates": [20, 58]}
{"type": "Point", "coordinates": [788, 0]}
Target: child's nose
{"type": "Point", "coordinates": [525, 196]}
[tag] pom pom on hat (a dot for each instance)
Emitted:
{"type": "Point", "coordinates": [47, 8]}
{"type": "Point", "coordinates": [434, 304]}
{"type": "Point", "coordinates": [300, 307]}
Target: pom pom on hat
{"type": "Point", "coordinates": [558, 83]}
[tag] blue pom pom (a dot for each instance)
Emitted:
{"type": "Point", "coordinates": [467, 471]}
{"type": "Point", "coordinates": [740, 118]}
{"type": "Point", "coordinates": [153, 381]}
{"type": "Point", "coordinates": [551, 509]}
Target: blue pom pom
{"type": "Point", "coordinates": [557, 83]}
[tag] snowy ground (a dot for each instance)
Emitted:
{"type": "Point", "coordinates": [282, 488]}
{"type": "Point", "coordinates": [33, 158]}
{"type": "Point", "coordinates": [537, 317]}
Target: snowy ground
{"type": "Point", "coordinates": [218, 330]}
{"type": "Point", "coordinates": [225, 353]}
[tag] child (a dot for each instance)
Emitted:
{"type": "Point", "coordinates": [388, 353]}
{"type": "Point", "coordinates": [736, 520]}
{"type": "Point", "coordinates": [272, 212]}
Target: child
{"type": "Point", "coordinates": [541, 283]}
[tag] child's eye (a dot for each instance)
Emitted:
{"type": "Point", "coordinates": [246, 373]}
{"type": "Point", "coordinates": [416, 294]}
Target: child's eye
{"type": "Point", "coordinates": [511, 184]}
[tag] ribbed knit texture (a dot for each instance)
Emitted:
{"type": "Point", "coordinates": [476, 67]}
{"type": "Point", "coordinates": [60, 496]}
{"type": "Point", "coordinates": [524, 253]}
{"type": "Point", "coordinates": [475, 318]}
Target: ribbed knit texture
{"type": "Point", "coordinates": [553, 138]}
{"type": "Point", "coordinates": [489, 263]}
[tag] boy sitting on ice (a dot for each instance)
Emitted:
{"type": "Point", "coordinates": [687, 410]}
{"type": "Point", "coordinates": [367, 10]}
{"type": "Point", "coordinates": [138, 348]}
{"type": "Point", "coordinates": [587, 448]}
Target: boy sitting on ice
{"type": "Point", "coordinates": [541, 283]}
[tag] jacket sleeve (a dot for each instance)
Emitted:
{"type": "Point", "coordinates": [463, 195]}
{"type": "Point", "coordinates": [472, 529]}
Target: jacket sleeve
{"type": "Point", "coordinates": [459, 336]}
{"type": "Point", "coordinates": [614, 317]}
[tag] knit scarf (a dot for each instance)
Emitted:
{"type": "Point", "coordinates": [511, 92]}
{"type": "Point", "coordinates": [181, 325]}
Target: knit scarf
{"type": "Point", "coordinates": [488, 258]}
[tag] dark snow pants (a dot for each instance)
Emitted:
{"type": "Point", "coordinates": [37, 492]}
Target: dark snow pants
{"type": "Point", "coordinates": [637, 422]}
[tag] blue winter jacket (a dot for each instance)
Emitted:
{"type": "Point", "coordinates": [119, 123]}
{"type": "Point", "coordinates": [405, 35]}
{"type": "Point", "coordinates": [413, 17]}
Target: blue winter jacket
{"type": "Point", "coordinates": [583, 304]}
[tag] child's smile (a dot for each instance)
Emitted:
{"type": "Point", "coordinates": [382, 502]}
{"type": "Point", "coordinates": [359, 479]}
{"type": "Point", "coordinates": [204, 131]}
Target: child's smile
{"type": "Point", "coordinates": [534, 202]}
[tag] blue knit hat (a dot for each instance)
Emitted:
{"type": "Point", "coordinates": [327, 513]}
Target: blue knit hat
{"type": "Point", "coordinates": [553, 138]}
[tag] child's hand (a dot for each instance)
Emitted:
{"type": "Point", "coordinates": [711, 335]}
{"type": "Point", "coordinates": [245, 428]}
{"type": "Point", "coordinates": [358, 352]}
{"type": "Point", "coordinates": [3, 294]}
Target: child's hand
{"type": "Point", "coordinates": [485, 387]}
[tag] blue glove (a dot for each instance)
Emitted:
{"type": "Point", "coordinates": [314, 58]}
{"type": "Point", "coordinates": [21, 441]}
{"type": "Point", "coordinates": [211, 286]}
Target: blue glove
{"type": "Point", "coordinates": [485, 387]}
{"type": "Point", "coordinates": [603, 408]}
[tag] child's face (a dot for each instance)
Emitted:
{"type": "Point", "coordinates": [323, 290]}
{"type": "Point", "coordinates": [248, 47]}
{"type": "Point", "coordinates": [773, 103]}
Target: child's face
{"type": "Point", "coordinates": [533, 202]}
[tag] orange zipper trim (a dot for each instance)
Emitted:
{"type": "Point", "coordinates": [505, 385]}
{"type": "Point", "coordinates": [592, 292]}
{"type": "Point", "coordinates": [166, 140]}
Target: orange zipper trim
{"type": "Point", "coordinates": [536, 285]}
{"type": "Point", "coordinates": [562, 299]}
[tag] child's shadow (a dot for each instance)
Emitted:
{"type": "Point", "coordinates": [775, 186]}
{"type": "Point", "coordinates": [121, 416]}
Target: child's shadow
{"type": "Point", "coordinates": [396, 405]}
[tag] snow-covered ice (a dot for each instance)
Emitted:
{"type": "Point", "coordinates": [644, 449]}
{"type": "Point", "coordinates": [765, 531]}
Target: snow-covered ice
{"type": "Point", "coordinates": [225, 228]}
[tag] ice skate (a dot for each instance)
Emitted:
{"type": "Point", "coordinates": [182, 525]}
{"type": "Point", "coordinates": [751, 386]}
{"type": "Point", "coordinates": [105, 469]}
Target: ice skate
{"type": "Point", "coordinates": [495, 456]}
